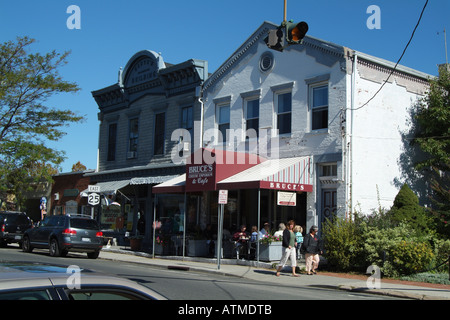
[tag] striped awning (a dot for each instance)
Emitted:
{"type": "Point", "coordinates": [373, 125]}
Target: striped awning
{"type": "Point", "coordinates": [174, 185]}
{"type": "Point", "coordinates": [289, 174]}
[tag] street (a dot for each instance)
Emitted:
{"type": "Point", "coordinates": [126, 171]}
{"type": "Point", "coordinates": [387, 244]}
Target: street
{"type": "Point", "coordinates": [190, 285]}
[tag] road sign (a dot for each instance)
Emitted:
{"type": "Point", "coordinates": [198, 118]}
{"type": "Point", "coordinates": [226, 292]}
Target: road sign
{"type": "Point", "coordinates": [223, 196]}
{"type": "Point", "coordinates": [93, 188]}
{"type": "Point", "coordinates": [94, 199]}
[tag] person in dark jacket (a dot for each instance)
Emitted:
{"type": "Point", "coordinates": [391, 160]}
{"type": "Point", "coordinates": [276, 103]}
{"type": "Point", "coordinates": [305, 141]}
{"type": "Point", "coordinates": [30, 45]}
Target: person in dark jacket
{"type": "Point", "coordinates": [312, 246]}
{"type": "Point", "coordinates": [289, 248]}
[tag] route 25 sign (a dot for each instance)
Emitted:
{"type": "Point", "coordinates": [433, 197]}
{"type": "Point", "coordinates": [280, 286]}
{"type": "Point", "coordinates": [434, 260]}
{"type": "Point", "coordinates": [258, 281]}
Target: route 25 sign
{"type": "Point", "coordinates": [93, 199]}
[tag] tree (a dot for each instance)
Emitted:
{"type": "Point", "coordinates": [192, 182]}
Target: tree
{"type": "Point", "coordinates": [78, 167]}
{"type": "Point", "coordinates": [433, 118]}
{"type": "Point", "coordinates": [406, 209]}
{"type": "Point", "coordinates": [432, 135]}
{"type": "Point", "coordinates": [27, 81]}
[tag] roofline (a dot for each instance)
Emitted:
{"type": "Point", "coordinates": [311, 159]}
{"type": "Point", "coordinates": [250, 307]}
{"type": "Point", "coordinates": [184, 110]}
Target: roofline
{"type": "Point", "coordinates": [311, 41]}
{"type": "Point", "coordinates": [391, 65]}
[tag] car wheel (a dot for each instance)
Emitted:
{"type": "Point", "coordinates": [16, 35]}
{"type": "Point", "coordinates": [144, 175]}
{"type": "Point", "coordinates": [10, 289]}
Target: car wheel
{"type": "Point", "coordinates": [26, 245]}
{"type": "Point", "coordinates": [54, 248]}
{"type": "Point", "coordinates": [93, 255]}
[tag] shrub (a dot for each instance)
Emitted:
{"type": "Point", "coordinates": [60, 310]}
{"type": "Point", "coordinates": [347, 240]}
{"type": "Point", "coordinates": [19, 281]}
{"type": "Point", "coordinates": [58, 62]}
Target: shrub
{"type": "Point", "coordinates": [406, 208]}
{"type": "Point", "coordinates": [352, 244]}
{"type": "Point", "coordinates": [343, 243]}
{"type": "Point", "coordinates": [442, 253]}
{"type": "Point", "coordinates": [398, 251]}
{"type": "Point", "coordinates": [408, 257]}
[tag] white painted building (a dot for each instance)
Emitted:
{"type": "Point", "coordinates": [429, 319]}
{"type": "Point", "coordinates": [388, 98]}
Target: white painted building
{"type": "Point", "coordinates": [315, 95]}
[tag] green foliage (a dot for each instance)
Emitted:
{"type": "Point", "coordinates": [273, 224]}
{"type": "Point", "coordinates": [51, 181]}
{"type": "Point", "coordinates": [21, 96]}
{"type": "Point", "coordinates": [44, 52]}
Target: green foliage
{"type": "Point", "coordinates": [432, 135]}
{"type": "Point", "coordinates": [409, 256]}
{"type": "Point", "coordinates": [343, 239]}
{"type": "Point", "coordinates": [406, 208]}
{"type": "Point", "coordinates": [442, 253]}
{"type": "Point", "coordinates": [433, 117]}
{"type": "Point", "coordinates": [355, 244]}
{"type": "Point", "coordinates": [27, 81]}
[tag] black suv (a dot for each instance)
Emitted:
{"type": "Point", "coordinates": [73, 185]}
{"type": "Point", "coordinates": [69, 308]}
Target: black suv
{"type": "Point", "coordinates": [12, 226]}
{"type": "Point", "coordinates": [61, 234]}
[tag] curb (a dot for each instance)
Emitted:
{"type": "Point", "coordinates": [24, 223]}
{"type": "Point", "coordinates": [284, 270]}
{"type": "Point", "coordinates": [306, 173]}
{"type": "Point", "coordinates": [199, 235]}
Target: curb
{"type": "Point", "coordinates": [267, 266]}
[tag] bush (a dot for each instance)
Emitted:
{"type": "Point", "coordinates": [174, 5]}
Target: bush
{"type": "Point", "coordinates": [406, 208]}
{"type": "Point", "coordinates": [408, 257]}
{"type": "Point", "coordinates": [355, 245]}
{"type": "Point", "coordinates": [442, 253]}
{"type": "Point", "coordinates": [398, 250]}
{"type": "Point", "coordinates": [342, 242]}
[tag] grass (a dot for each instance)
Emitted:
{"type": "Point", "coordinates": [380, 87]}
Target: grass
{"type": "Point", "coordinates": [438, 278]}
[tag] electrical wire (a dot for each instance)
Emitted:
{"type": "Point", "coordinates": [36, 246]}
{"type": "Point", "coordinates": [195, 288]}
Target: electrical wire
{"type": "Point", "coordinates": [395, 67]}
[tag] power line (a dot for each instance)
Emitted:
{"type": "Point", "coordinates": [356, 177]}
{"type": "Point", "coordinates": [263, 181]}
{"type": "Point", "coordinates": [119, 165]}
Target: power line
{"type": "Point", "coordinates": [395, 67]}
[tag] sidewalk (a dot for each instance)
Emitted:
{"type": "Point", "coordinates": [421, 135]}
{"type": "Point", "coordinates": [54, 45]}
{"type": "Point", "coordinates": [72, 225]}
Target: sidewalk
{"type": "Point", "coordinates": [264, 272]}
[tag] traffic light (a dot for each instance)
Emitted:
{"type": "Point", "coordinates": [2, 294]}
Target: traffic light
{"type": "Point", "coordinates": [275, 40]}
{"type": "Point", "coordinates": [295, 32]}
{"type": "Point", "coordinates": [286, 34]}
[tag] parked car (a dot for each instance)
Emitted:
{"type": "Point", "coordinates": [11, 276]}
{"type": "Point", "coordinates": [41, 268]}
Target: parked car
{"type": "Point", "coordinates": [12, 226]}
{"type": "Point", "coordinates": [37, 281]}
{"type": "Point", "coordinates": [61, 234]}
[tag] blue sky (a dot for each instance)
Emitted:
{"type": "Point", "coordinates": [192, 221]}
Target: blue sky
{"type": "Point", "coordinates": [112, 31]}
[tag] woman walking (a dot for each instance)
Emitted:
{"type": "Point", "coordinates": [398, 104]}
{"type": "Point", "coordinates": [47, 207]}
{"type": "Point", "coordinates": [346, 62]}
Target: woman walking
{"type": "Point", "coordinates": [313, 247]}
{"type": "Point", "coordinates": [289, 248]}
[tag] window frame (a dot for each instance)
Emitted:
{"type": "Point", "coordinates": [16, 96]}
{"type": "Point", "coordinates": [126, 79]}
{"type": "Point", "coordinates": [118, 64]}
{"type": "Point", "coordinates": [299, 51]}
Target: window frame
{"type": "Point", "coordinates": [278, 94]}
{"type": "Point", "coordinates": [247, 101]}
{"type": "Point", "coordinates": [112, 142]}
{"type": "Point", "coordinates": [133, 139]}
{"type": "Point", "coordinates": [224, 125]}
{"type": "Point", "coordinates": [189, 123]}
{"type": "Point", "coordinates": [159, 134]}
{"type": "Point", "coordinates": [319, 109]}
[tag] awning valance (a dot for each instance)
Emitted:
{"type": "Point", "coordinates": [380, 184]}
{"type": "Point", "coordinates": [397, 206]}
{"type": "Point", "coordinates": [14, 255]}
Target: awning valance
{"type": "Point", "coordinates": [110, 187]}
{"type": "Point", "coordinates": [151, 180]}
{"type": "Point", "coordinates": [290, 174]}
{"type": "Point", "coordinates": [174, 185]}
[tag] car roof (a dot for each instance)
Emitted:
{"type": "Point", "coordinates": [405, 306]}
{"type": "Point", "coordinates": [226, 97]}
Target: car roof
{"type": "Point", "coordinates": [18, 275]}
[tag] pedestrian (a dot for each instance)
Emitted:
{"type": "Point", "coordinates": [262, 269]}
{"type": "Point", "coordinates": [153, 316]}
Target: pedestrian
{"type": "Point", "coordinates": [281, 228]}
{"type": "Point", "coordinates": [289, 248]}
{"type": "Point", "coordinates": [241, 237]}
{"type": "Point", "coordinates": [265, 229]}
{"type": "Point", "coordinates": [313, 247]}
{"type": "Point", "coordinates": [255, 235]}
{"type": "Point", "coordinates": [299, 238]}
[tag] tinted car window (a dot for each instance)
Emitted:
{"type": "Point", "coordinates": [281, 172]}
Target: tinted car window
{"type": "Point", "coordinates": [15, 218]}
{"type": "Point", "coordinates": [18, 219]}
{"type": "Point", "coordinates": [84, 224]}
{"type": "Point", "coordinates": [110, 294]}
{"type": "Point", "coordinates": [25, 295]}
{"type": "Point", "coordinates": [52, 221]}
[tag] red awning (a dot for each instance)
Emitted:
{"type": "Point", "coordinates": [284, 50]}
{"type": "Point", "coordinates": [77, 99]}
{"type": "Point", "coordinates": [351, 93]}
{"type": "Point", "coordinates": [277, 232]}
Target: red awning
{"type": "Point", "coordinates": [211, 170]}
{"type": "Point", "coordinates": [289, 174]}
{"type": "Point", "coordinates": [209, 166]}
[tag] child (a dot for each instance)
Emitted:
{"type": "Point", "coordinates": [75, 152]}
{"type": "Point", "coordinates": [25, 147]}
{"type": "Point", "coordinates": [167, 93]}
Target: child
{"type": "Point", "coordinates": [299, 238]}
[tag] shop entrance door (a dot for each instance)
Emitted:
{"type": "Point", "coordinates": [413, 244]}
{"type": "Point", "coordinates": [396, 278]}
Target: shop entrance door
{"type": "Point", "coordinates": [329, 203]}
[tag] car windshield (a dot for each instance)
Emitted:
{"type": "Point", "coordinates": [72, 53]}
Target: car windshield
{"type": "Point", "coordinates": [16, 218]}
{"type": "Point", "coordinates": [84, 224]}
